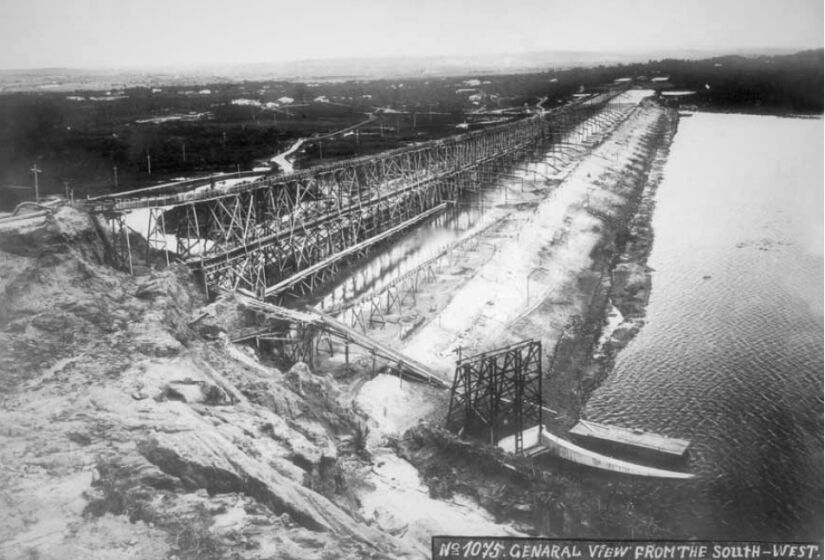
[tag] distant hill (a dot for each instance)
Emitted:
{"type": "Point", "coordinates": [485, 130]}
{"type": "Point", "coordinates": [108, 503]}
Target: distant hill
{"type": "Point", "coordinates": [69, 79]}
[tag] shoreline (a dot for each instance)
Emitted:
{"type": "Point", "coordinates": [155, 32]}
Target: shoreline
{"type": "Point", "coordinates": [630, 282]}
{"type": "Point", "coordinates": [753, 111]}
{"type": "Point", "coordinates": [549, 497]}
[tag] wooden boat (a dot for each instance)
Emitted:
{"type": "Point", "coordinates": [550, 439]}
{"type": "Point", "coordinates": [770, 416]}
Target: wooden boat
{"type": "Point", "coordinates": [640, 440]}
{"type": "Point", "coordinates": [537, 441]}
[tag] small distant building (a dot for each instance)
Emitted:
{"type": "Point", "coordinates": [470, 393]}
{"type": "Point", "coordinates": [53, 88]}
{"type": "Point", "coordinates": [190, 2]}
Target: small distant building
{"type": "Point", "coordinates": [675, 98]}
{"type": "Point", "coordinates": [205, 92]}
{"type": "Point", "coordinates": [246, 102]}
{"type": "Point", "coordinates": [156, 90]}
{"type": "Point", "coordinates": [472, 83]}
{"type": "Point", "coordinates": [660, 79]}
{"type": "Point", "coordinates": [107, 98]}
{"type": "Point", "coordinates": [321, 99]}
{"type": "Point", "coordinates": [76, 98]}
{"type": "Point", "coordinates": [476, 98]}
{"type": "Point", "coordinates": [622, 80]}
{"type": "Point", "coordinates": [682, 93]}
{"type": "Point", "coordinates": [285, 100]}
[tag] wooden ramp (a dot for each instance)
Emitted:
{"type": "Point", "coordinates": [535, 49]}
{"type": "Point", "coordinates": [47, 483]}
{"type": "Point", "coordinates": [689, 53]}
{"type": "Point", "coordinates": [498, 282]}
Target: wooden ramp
{"type": "Point", "coordinates": [412, 368]}
{"type": "Point", "coordinates": [312, 317]}
{"type": "Point", "coordinates": [634, 439]}
{"type": "Point", "coordinates": [539, 441]}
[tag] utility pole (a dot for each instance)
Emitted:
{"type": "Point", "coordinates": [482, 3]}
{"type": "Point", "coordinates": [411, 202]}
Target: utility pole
{"type": "Point", "coordinates": [66, 186]}
{"type": "Point", "coordinates": [115, 170]}
{"type": "Point", "coordinates": [35, 170]}
{"type": "Point", "coordinates": [183, 149]}
{"type": "Point", "coordinates": [149, 162]}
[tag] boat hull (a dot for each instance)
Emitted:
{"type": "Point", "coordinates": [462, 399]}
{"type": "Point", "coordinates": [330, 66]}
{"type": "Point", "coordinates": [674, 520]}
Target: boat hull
{"type": "Point", "coordinates": [538, 442]}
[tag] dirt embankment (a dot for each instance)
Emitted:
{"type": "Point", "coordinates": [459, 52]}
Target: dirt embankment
{"type": "Point", "coordinates": [617, 284]}
{"type": "Point", "coordinates": [131, 427]}
{"type": "Point", "coordinates": [626, 258]}
{"type": "Point", "coordinates": [551, 498]}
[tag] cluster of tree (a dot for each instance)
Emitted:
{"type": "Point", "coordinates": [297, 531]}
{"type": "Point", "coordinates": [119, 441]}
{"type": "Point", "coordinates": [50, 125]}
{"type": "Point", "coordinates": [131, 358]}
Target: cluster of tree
{"type": "Point", "coordinates": [82, 137]}
{"type": "Point", "coordinates": [778, 84]}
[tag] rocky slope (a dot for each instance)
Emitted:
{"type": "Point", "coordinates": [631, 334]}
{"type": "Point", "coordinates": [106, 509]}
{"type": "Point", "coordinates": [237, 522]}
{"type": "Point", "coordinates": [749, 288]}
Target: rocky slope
{"type": "Point", "coordinates": [128, 429]}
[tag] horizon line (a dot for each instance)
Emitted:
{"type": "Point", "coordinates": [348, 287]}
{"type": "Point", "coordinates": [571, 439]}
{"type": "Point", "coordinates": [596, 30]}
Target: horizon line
{"type": "Point", "coordinates": [205, 66]}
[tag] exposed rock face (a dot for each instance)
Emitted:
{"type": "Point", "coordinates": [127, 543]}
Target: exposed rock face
{"type": "Point", "coordinates": [631, 288]}
{"type": "Point", "coordinates": [132, 428]}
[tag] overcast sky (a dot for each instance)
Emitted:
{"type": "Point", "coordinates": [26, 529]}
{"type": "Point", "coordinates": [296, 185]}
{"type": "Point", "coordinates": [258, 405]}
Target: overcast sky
{"type": "Point", "coordinates": [115, 33]}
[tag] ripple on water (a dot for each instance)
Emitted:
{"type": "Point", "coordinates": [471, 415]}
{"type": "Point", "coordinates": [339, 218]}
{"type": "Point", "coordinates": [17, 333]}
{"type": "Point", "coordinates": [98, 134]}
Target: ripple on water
{"type": "Point", "coordinates": [731, 355]}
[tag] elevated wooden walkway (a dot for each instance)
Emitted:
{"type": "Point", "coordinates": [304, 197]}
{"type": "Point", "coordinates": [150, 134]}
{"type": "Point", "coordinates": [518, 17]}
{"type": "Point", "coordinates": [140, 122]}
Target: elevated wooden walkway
{"type": "Point", "coordinates": [411, 369]}
{"type": "Point", "coordinates": [308, 275]}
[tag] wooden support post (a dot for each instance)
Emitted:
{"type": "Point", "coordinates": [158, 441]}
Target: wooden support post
{"type": "Point", "coordinates": [125, 230]}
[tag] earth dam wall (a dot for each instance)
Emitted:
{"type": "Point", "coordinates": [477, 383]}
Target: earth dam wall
{"type": "Point", "coordinates": [133, 427]}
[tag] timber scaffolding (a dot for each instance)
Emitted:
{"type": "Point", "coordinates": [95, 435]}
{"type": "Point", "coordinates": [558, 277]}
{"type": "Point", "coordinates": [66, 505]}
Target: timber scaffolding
{"type": "Point", "coordinates": [268, 237]}
{"type": "Point", "coordinates": [372, 306]}
{"type": "Point", "coordinates": [498, 391]}
{"type": "Point", "coordinates": [297, 336]}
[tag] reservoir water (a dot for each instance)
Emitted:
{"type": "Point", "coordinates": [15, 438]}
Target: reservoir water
{"type": "Point", "coordinates": [731, 355]}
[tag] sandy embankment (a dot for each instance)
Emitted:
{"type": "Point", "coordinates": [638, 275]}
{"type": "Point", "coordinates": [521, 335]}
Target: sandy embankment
{"type": "Point", "coordinates": [130, 430]}
{"type": "Point", "coordinates": [606, 290]}
{"type": "Point", "coordinates": [563, 241]}
{"type": "Point", "coordinates": [526, 277]}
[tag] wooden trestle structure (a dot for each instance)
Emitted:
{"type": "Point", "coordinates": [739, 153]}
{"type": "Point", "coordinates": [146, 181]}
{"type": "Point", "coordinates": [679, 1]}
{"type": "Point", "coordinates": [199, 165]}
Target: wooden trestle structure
{"type": "Point", "coordinates": [257, 234]}
{"type": "Point", "coordinates": [298, 334]}
{"type": "Point", "coordinates": [498, 392]}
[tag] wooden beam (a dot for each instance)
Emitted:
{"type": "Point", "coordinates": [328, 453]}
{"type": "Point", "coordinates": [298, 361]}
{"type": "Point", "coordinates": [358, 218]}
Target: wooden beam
{"type": "Point", "coordinates": [308, 272]}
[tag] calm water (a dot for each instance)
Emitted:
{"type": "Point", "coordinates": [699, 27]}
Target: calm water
{"type": "Point", "coordinates": [734, 362]}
